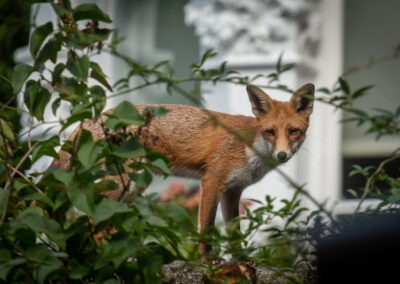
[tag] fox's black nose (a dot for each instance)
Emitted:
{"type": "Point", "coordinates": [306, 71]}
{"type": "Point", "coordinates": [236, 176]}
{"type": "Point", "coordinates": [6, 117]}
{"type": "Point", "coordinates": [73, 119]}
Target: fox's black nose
{"type": "Point", "coordinates": [282, 156]}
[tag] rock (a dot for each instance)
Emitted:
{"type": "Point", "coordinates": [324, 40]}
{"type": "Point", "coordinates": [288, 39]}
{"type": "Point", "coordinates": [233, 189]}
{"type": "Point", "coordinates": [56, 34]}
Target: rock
{"type": "Point", "coordinates": [182, 272]}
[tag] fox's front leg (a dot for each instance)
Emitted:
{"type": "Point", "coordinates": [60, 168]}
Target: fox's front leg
{"type": "Point", "coordinates": [211, 192]}
{"type": "Point", "coordinates": [230, 205]}
{"type": "Point", "coordinates": [230, 209]}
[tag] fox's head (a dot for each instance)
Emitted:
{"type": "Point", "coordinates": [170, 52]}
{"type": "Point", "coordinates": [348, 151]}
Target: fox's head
{"type": "Point", "coordinates": [282, 126]}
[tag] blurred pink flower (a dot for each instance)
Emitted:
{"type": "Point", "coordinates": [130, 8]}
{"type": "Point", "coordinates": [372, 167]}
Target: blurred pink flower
{"type": "Point", "coordinates": [178, 187]}
{"type": "Point", "coordinates": [244, 203]}
{"type": "Point", "coordinates": [164, 197]}
{"type": "Point", "coordinates": [181, 194]}
{"type": "Point", "coordinates": [194, 200]}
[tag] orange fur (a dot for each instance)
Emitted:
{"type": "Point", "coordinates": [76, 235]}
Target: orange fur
{"type": "Point", "coordinates": [204, 144]}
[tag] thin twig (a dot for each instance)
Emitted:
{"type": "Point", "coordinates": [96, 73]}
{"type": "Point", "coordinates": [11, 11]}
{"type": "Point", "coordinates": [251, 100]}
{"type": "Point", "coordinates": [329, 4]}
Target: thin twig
{"type": "Point", "coordinates": [10, 178]}
{"type": "Point", "coordinates": [368, 185]}
{"type": "Point", "coordinates": [371, 63]}
{"type": "Point", "coordinates": [117, 165]}
{"type": "Point", "coordinates": [24, 177]}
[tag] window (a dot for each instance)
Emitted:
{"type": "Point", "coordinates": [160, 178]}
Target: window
{"type": "Point", "coordinates": [370, 35]}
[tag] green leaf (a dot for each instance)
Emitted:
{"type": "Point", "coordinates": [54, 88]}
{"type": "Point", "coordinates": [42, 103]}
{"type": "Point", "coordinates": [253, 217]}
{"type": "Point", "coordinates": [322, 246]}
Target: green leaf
{"type": "Point", "coordinates": [176, 212]}
{"type": "Point", "coordinates": [78, 66]}
{"type": "Point", "coordinates": [37, 196]}
{"type": "Point", "coordinates": [45, 258]}
{"type": "Point", "coordinates": [31, 217]}
{"type": "Point", "coordinates": [90, 12]}
{"type": "Point", "coordinates": [45, 148]}
{"type": "Point", "coordinates": [394, 196]}
{"type": "Point", "coordinates": [26, 237]}
{"type": "Point", "coordinates": [287, 67]}
{"type": "Point", "coordinates": [75, 92]}
{"type": "Point", "coordinates": [79, 272]}
{"type": "Point", "coordinates": [97, 74]}
{"type": "Point", "coordinates": [159, 64]}
{"type": "Point", "coordinates": [81, 39]}
{"type": "Point", "coordinates": [360, 170]}
{"type": "Point", "coordinates": [353, 193]}
{"type": "Point", "coordinates": [66, 4]}
{"type": "Point", "coordinates": [152, 156]}
{"type": "Point", "coordinates": [279, 63]}
{"type": "Point", "coordinates": [361, 92]}
{"type": "Point", "coordinates": [39, 254]}
{"type": "Point", "coordinates": [5, 255]}
{"type": "Point", "coordinates": [3, 198]}
{"type": "Point", "coordinates": [36, 98]}
{"type": "Point", "coordinates": [55, 105]}
{"type": "Point", "coordinates": [38, 36]}
{"type": "Point", "coordinates": [97, 35]}
{"type": "Point", "coordinates": [130, 149]}
{"type": "Point", "coordinates": [64, 176]}
{"type": "Point", "coordinates": [156, 221]}
{"type": "Point", "coordinates": [116, 252]}
{"type": "Point", "coordinates": [324, 90]}
{"type": "Point", "coordinates": [89, 150]}
{"type": "Point", "coordinates": [20, 74]}
{"type": "Point", "coordinates": [160, 165]}
{"type": "Point", "coordinates": [6, 130]}
{"type": "Point", "coordinates": [7, 266]}
{"type": "Point", "coordinates": [49, 51]}
{"type": "Point", "coordinates": [107, 208]}
{"type": "Point", "coordinates": [207, 55]}
{"type": "Point", "coordinates": [58, 70]}
{"type": "Point", "coordinates": [98, 98]}
{"type": "Point", "coordinates": [143, 204]}
{"type": "Point", "coordinates": [78, 115]}
{"type": "Point", "coordinates": [344, 86]}
{"type": "Point", "coordinates": [61, 7]}
{"type": "Point", "coordinates": [125, 114]}
{"type": "Point", "coordinates": [82, 199]}
{"type": "Point", "coordinates": [142, 179]}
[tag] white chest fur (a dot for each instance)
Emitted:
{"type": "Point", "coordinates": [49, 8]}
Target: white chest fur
{"type": "Point", "coordinates": [255, 168]}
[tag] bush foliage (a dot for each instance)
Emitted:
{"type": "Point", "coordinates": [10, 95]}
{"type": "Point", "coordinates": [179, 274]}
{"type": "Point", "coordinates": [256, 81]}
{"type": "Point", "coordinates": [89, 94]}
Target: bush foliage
{"type": "Point", "coordinates": [53, 224]}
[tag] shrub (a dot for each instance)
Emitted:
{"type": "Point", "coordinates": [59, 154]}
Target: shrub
{"type": "Point", "coordinates": [57, 226]}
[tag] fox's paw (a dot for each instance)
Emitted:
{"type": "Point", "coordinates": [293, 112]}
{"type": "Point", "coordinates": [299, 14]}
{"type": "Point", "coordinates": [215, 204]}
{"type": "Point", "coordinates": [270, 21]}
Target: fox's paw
{"type": "Point", "coordinates": [218, 261]}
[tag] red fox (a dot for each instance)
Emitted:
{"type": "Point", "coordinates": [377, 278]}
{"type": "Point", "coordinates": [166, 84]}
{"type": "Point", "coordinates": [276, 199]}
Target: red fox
{"type": "Point", "coordinates": [205, 145]}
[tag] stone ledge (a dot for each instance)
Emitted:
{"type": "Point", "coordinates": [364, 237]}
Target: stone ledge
{"type": "Point", "coordinates": [182, 272]}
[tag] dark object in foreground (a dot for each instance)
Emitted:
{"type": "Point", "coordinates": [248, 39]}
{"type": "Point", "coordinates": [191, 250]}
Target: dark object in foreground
{"type": "Point", "coordinates": [368, 251]}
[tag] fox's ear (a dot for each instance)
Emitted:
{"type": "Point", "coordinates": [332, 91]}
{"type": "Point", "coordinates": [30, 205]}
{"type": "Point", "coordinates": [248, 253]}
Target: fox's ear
{"type": "Point", "coordinates": [303, 99]}
{"type": "Point", "coordinates": [261, 103]}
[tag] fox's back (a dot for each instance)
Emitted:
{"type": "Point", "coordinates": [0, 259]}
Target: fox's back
{"type": "Point", "coordinates": [190, 137]}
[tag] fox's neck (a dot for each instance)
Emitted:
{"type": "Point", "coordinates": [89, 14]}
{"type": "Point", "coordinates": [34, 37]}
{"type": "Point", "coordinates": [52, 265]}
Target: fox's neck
{"type": "Point", "coordinates": [245, 128]}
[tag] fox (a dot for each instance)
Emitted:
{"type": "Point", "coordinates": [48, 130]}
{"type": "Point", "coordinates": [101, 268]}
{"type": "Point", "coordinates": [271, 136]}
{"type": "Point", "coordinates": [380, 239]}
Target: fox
{"type": "Point", "coordinates": [226, 152]}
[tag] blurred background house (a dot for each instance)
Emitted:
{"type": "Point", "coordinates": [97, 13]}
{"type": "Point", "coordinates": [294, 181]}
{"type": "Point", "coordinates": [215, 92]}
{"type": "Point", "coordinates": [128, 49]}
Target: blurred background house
{"type": "Point", "coordinates": [323, 38]}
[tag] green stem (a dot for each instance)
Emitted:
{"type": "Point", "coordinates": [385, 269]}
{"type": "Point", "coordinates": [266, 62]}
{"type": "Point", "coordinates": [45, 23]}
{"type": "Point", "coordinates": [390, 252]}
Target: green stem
{"type": "Point", "coordinates": [368, 185]}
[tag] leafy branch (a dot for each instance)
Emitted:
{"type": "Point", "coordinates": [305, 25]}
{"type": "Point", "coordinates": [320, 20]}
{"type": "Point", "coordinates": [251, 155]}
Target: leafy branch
{"type": "Point", "coordinates": [53, 239]}
{"type": "Point", "coordinates": [372, 178]}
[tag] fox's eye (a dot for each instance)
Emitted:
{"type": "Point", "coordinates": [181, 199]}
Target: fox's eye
{"type": "Point", "coordinates": [270, 132]}
{"type": "Point", "coordinates": [294, 131]}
